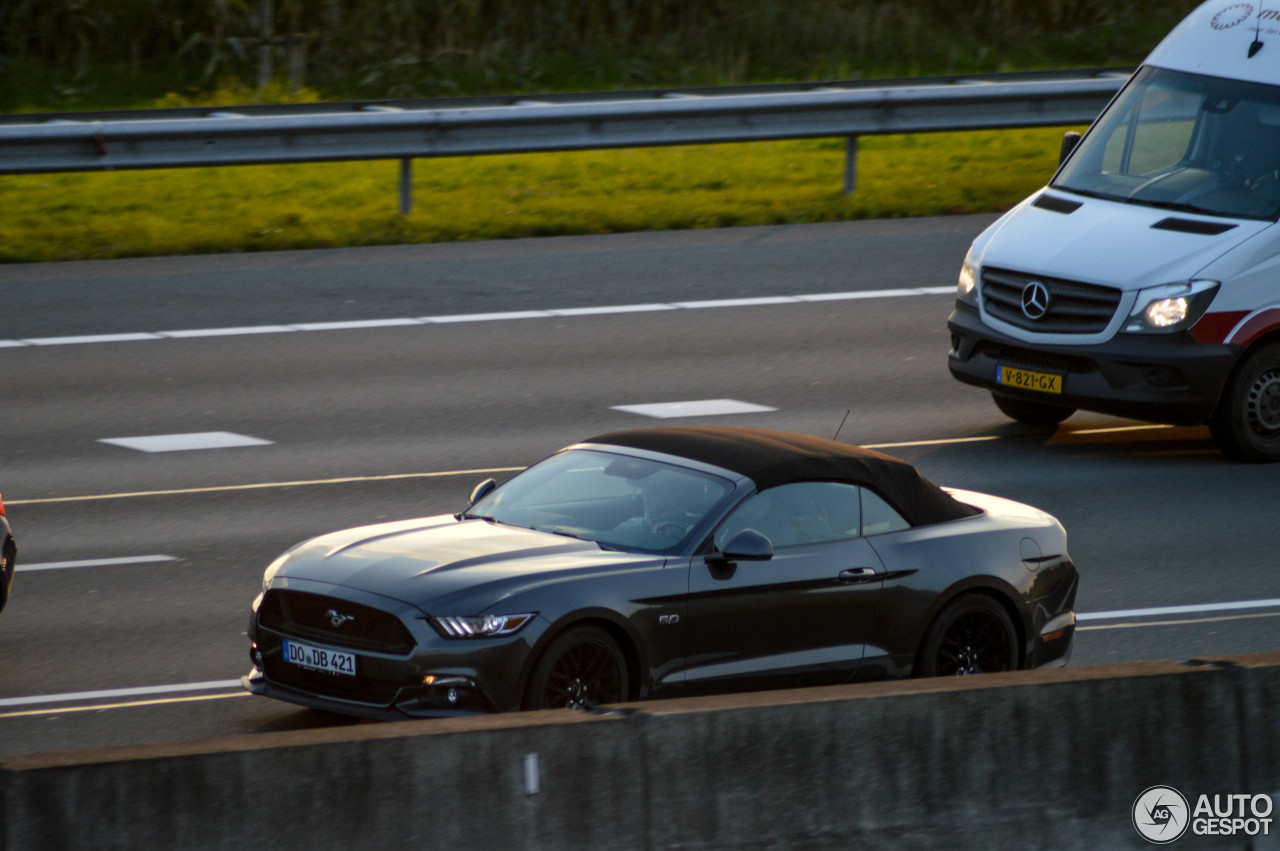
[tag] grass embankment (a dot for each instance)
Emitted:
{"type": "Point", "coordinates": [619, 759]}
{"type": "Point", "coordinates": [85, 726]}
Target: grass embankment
{"type": "Point", "coordinates": [135, 213]}
{"type": "Point", "coordinates": [71, 55]}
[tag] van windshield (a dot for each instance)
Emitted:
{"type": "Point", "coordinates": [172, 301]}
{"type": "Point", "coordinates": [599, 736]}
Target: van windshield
{"type": "Point", "coordinates": [1184, 142]}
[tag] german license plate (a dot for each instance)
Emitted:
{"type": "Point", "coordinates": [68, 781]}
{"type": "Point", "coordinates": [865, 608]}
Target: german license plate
{"type": "Point", "coordinates": [327, 659]}
{"type": "Point", "coordinates": [1025, 379]}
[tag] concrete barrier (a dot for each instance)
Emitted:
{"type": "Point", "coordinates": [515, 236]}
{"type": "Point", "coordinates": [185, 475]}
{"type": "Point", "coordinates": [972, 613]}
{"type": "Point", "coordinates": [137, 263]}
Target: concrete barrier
{"type": "Point", "coordinates": [1049, 759]}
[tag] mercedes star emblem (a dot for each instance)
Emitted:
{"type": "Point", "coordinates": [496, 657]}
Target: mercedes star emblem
{"type": "Point", "coordinates": [1035, 300]}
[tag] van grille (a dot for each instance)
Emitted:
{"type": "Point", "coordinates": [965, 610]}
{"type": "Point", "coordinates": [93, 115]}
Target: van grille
{"type": "Point", "coordinates": [1074, 308]}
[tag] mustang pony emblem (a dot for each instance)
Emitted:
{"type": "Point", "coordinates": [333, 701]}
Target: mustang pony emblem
{"type": "Point", "coordinates": [337, 618]}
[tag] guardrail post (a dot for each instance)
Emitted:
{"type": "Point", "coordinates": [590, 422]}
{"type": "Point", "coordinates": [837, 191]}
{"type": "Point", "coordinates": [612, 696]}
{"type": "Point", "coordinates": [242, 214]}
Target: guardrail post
{"type": "Point", "coordinates": [850, 165]}
{"type": "Point", "coordinates": [406, 186]}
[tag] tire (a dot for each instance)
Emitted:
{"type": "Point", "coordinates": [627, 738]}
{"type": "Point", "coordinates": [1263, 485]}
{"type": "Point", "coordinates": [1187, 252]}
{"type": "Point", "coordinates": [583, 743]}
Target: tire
{"type": "Point", "coordinates": [1246, 425]}
{"type": "Point", "coordinates": [580, 669]}
{"type": "Point", "coordinates": [972, 635]}
{"type": "Point", "coordinates": [1032, 413]}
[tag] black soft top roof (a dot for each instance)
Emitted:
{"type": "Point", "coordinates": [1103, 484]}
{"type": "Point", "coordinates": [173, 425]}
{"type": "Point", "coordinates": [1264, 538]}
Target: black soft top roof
{"type": "Point", "coordinates": [772, 458]}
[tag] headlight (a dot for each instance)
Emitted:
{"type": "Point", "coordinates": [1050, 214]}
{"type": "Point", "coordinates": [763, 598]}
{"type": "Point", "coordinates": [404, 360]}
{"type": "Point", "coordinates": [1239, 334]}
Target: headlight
{"type": "Point", "coordinates": [484, 626]}
{"type": "Point", "coordinates": [1169, 308]}
{"type": "Point", "coordinates": [967, 287]}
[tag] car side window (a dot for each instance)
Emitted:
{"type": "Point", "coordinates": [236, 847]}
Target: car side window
{"type": "Point", "coordinates": [798, 513]}
{"type": "Point", "coordinates": [878, 516]}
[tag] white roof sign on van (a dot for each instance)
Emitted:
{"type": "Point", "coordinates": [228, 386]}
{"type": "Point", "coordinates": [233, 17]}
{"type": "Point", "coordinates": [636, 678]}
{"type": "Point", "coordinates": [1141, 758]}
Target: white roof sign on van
{"type": "Point", "coordinates": [1217, 39]}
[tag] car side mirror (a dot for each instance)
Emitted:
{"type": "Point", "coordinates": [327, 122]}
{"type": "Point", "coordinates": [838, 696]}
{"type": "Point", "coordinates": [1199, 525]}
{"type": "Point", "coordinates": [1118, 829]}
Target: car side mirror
{"type": "Point", "coordinates": [1069, 141]}
{"type": "Point", "coordinates": [482, 490]}
{"type": "Point", "coordinates": [748, 545]}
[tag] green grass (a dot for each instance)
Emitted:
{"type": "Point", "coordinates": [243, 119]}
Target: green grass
{"type": "Point", "coordinates": [251, 208]}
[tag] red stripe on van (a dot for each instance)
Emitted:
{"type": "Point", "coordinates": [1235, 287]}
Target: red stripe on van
{"type": "Point", "coordinates": [1261, 323]}
{"type": "Point", "coordinates": [1214, 327]}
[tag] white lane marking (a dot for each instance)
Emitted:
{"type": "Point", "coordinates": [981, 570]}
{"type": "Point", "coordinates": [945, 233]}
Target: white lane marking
{"type": "Point", "coordinates": [229, 332]}
{"type": "Point", "coordinates": [75, 696]}
{"type": "Point", "coordinates": [487, 317]}
{"type": "Point", "coordinates": [94, 562]}
{"type": "Point", "coordinates": [604, 311]}
{"type": "Point", "coordinates": [185, 442]}
{"type": "Point", "coordinates": [1178, 610]}
{"type": "Point", "coordinates": [697, 408]}
{"type": "Point", "coordinates": [476, 317]}
{"type": "Point", "coordinates": [355, 323]}
{"type": "Point", "coordinates": [1177, 622]}
{"type": "Point", "coordinates": [93, 338]}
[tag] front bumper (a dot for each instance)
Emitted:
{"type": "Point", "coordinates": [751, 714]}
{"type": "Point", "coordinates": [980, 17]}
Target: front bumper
{"type": "Point", "coordinates": [1162, 378]}
{"type": "Point", "coordinates": [430, 677]}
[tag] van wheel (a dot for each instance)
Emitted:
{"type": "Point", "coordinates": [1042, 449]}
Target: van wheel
{"type": "Point", "coordinates": [1032, 413]}
{"type": "Point", "coordinates": [1246, 425]}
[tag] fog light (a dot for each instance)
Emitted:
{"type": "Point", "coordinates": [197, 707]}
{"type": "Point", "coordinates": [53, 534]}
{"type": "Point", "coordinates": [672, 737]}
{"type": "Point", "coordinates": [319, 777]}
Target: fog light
{"type": "Point", "coordinates": [255, 655]}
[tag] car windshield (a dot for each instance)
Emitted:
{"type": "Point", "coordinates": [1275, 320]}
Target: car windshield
{"type": "Point", "coordinates": [618, 501]}
{"type": "Point", "coordinates": [1186, 143]}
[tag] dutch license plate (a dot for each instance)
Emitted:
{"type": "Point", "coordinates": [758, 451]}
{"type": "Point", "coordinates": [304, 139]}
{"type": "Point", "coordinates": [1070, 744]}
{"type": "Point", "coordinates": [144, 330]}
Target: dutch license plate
{"type": "Point", "coordinates": [1025, 379]}
{"type": "Point", "coordinates": [325, 659]}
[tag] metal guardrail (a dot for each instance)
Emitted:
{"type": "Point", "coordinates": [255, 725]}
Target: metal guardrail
{"type": "Point", "coordinates": [405, 130]}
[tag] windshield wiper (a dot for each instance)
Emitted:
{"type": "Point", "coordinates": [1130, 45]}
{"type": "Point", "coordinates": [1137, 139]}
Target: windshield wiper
{"type": "Point", "coordinates": [1176, 206]}
{"type": "Point", "coordinates": [564, 531]}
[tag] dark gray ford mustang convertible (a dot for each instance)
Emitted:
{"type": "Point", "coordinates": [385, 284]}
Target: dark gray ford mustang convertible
{"type": "Point", "coordinates": [659, 563]}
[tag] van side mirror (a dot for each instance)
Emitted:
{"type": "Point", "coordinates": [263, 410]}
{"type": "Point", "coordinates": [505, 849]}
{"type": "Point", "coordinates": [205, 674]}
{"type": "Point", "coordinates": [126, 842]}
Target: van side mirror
{"type": "Point", "coordinates": [748, 545]}
{"type": "Point", "coordinates": [1069, 141]}
{"type": "Point", "coordinates": [482, 490]}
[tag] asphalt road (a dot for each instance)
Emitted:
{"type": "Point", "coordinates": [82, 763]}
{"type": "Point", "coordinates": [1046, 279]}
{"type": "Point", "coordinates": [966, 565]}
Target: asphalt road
{"type": "Point", "coordinates": [402, 416]}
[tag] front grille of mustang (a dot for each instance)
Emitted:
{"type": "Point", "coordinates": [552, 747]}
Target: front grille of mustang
{"type": "Point", "coordinates": [309, 616]}
{"type": "Point", "coordinates": [1074, 308]}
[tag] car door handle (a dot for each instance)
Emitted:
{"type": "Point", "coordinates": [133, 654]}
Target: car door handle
{"type": "Point", "coordinates": [859, 574]}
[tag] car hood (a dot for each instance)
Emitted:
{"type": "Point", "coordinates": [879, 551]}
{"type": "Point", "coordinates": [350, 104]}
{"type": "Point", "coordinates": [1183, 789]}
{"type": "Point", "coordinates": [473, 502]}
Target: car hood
{"type": "Point", "coordinates": [1105, 242]}
{"type": "Point", "coordinates": [442, 561]}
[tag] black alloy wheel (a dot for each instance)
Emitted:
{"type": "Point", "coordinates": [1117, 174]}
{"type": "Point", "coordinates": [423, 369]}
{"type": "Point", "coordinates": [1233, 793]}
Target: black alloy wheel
{"type": "Point", "coordinates": [972, 635]}
{"type": "Point", "coordinates": [1030, 412]}
{"type": "Point", "coordinates": [1246, 425]}
{"type": "Point", "coordinates": [581, 669]}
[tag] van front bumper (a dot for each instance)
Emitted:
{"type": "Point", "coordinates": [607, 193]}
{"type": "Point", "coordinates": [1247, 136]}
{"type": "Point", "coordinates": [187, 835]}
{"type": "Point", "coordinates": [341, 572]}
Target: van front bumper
{"type": "Point", "coordinates": [1166, 378]}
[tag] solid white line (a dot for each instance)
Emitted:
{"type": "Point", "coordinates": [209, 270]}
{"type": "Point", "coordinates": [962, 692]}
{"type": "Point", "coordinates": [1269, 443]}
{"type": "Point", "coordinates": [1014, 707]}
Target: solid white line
{"type": "Point", "coordinates": [117, 692]}
{"type": "Point", "coordinates": [739, 302]}
{"type": "Point", "coordinates": [603, 311]}
{"type": "Point", "coordinates": [1177, 622]}
{"type": "Point", "coordinates": [94, 338]}
{"type": "Point", "coordinates": [487, 317]}
{"type": "Point", "coordinates": [230, 332]}
{"type": "Point", "coordinates": [1178, 610]}
{"type": "Point", "coordinates": [94, 562]}
{"type": "Point", "coordinates": [355, 323]}
{"type": "Point", "coordinates": [476, 317]}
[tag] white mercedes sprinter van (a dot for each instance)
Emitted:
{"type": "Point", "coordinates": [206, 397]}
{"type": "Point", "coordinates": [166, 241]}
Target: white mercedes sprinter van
{"type": "Point", "coordinates": [1144, 280]}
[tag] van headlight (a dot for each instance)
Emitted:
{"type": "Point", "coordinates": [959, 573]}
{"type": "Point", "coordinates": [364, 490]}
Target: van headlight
{"type": "Point", "coordinates": [967, 287]}
{"type": "Point", "coordinates": [1170, 307]}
